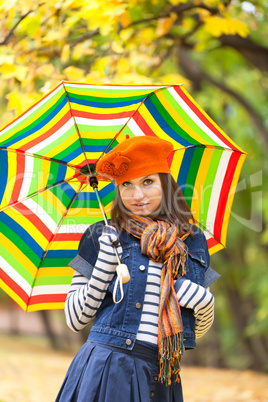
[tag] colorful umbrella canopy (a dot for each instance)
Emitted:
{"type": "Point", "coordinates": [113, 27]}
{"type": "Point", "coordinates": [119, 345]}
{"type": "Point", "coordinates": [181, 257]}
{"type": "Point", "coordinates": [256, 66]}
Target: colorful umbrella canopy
{"type": "Point", "coordinates": [46, 201]}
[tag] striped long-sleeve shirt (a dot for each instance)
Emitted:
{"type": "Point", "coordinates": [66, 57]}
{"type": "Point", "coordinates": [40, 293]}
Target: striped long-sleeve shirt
{"type": "Point", "coordinates": [86, 295]}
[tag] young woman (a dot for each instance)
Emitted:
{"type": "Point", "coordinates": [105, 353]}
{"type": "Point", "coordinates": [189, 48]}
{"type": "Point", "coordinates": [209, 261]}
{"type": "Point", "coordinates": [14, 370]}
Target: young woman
{"type": "Point", "coordinates": [134, 347]}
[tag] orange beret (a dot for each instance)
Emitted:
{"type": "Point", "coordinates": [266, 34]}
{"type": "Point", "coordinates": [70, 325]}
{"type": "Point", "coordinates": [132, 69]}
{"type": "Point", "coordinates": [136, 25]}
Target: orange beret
{"type": "Point", "coordinates": [135, 157]}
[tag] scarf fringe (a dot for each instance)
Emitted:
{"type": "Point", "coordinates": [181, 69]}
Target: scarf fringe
{"type": "Point", "coordinates": [171, 349]}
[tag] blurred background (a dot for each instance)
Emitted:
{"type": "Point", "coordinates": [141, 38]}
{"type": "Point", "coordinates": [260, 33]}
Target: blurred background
{"type": "Point", "coordinates": [219, 51]}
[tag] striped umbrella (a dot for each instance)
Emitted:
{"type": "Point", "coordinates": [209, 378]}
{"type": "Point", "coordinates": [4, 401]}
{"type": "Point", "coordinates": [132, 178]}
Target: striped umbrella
{"type": "Point", "coordinates": [46, 201]}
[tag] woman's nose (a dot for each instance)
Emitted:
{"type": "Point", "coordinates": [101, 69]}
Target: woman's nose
{"type": "Point", "coordinates": [137, 193]}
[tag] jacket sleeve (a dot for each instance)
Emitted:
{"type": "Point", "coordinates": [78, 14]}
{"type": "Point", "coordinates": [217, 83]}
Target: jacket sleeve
{"type": "Point", "coordinates": [86, 295]}
{"type": "Point", "coordinates": [200, 300]}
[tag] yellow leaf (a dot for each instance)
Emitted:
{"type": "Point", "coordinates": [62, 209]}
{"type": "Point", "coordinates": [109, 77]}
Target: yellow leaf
{"type": "Point", "coordinates": [165, 24]}
{"type": "Point", "coordinates": [117, 48]}
{"type": "Point", "coordinates": [47, 70]}
{"type": "Point", "coordinates": [7, 58]}
{"type": "Point", "coordinates": [21, 101]}
{"type": "Point", "coordinates": [73, 73]}
{"type": "Point", "coordinates": [217, 26]}
{"type": "Point", "coordinates": [125, 19]}
{"type": "Point", "coordinates": [11, 71]}
{"type": "Point", "coordinates": [65, 53]}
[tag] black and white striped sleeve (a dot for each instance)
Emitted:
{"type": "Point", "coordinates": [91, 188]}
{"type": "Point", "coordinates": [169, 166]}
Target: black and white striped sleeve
{"type": "Point", "coordinates": [86, 295]}
{"type": "Point", "coordinates": [200, 300]}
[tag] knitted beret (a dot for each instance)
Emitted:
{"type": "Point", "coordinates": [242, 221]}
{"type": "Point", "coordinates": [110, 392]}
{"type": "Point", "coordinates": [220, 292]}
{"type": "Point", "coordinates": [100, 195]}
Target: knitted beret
{"type": "Point", "coordinates": [135, 157]}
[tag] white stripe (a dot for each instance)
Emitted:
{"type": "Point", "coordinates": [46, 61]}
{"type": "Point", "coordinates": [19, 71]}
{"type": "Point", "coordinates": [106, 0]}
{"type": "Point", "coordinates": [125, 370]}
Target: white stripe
{"type": "Point", "coordinates": [79, 228]}
{"type": "Point", "coordinates": [99, 122]}
{"type": "Point", "coordinates": [48, 141]}
{"type": "Point", "coordinates": [50, 290]}
{"type": "Point", "coordinates": [195, 118]}
{"type": "Point", "coordinates": [37, 106]}
{"type": "Point", "coordinates": [15, 276]}
{"type": "Point", "coordinates": [135, 129]}
{"type": "Point", "coordinates": [37, 210]}
{"type": "Point", "coordinates": [216, 190]}
{"type": "Point", "coordinates": [27, 178]}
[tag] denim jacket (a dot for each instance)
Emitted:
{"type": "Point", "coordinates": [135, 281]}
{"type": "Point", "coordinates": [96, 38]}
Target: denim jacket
{"type": "Point", "coordinates": [117, 324]}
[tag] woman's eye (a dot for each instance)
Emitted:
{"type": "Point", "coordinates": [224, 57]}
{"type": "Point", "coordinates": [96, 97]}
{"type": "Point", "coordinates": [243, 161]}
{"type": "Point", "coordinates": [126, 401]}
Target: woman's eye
{"type": "Point", "coordinates": [126, 184]}
{"type": "Point", "coordinates": [147, 182]}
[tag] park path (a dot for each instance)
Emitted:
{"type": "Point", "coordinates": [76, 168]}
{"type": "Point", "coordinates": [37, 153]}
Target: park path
{"type": "Point", "coordinates": [30, 371]}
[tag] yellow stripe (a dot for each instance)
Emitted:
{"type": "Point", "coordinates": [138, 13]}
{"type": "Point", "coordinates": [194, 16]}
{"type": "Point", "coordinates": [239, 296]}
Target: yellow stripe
{"type": "Point", "coordinates": [231, 198]}
{"type": "Point", "coordinates": [28, 226]}
{"type": "Point", "coordinates": [18, 254]}
{"type": "Point", "coordinates": [11, 179]}
{"type": "Point", "coordinates": [109, 93]}
{"type": "Point", "coordinates": [176, 163]}
{"type": "Point", "coordinates": [215, 249]}
{"type": "Point", "coordinates": [44, 176]}
{"type": "Point", "coordinates": [46, 306]}
{"type": "Point", "coordinates": [211, 121]}
{"type": "Point", "coordinates": [66, 142]}
{"type": "Point", "coordinates": [199, 182]}
{"type": "Point", "coordinates": [64, 245]}
{"type": "Point", "coordinates": [104, 111]}
{"type": "Point", "coordinates": [13, 295]}
{"type": "Point", "coordinates": [54, 271]}
{"type": "Point", "coordinates": [43, 129]}
{"type": "Point", "coordinates": [156, 128]}
{"type": "Point", "coordinates": [179, 120]}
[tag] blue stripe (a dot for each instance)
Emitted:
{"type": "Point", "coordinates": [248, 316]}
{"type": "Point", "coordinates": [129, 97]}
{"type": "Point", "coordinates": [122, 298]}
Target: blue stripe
{"type": "Point", "coordinates": [103, 105]}
{"type": "Point", "coordinates": [17, 137]}
{"type": "Point", "coordinates": [25, 236]}
{"type": "Point", "coordinates": [162, 122]}
{"type": "Point", "coordinates": [61, 173]}
{"type": "Point", "coordinates": [3, 172]}
{"type": "Point", "coordinates": [61, 254]}
{"type": "Point", "coordinates": [185, 167]}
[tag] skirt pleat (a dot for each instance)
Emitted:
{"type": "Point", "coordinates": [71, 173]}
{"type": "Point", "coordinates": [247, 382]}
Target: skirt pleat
{"type": "Point", "coordinates": [102, 373]}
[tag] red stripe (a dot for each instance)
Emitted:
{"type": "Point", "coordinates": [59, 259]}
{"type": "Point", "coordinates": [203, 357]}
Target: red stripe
{"type": "Point", "coordinates": [34, 220]}
{"type": "Point", "coordinates": [99, 116]}
{"type": "Point", "coordinates": [203, 118]}
{"type": "Point", "coordinates": [138, 118]}
{"type": "Point", "coordinates": [48, 133]}
{"type": "Point", "coordinates": [68, 236]}
{"type": "Point", "coordinates": [57, 298]}
{"type": "Point", "coordinates": [225, 190]}
{"type": "Point", "coordinates": [30, 108]}
{"type": "Point", "coordinates": [212, 242]}
{"type": "Point", "coordinates": [19, 178]}
{"type": "Point", "coordinates": [14, 286]}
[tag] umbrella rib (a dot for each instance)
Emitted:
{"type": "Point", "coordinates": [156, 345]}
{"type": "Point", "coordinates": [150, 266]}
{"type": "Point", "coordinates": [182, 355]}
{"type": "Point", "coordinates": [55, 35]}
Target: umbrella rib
{"type": "Point", "coordinates": [62, 219]}
{"type": "Point", "coordinates": [78, 132]}
{"type": "Point", "coordinates": [54, 235]}
{"type": "Point", "coordinates": [36, 193]}
{"type": "Point", "coordinates": [135, 111]}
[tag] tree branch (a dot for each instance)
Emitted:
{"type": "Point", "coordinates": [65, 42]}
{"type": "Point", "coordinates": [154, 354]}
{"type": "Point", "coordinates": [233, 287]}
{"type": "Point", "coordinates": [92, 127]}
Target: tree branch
{"type": "Point", "coordinates": [196, 75]}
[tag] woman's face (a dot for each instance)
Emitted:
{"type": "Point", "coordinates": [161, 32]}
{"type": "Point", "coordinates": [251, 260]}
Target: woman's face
{"type": "Point", "coordinates": [142, 196]}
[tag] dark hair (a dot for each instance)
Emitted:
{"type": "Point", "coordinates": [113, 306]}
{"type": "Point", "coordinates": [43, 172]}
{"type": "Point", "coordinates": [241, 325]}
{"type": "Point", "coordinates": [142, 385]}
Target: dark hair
{"type": "Point", "coordinates": [174, 208]}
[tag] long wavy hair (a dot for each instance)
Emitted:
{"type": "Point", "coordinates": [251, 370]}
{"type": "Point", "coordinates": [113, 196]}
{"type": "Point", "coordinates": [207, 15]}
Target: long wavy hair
{"type": "Point", "coordinates": [174, 209]}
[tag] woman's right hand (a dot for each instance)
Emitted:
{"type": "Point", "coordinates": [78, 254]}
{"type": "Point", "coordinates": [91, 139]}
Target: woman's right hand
{"type": "Point", "coordinates": [108, 239]}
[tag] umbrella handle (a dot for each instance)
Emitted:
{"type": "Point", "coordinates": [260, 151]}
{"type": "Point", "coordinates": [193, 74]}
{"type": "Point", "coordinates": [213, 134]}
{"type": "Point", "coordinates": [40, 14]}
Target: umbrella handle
{"type": "Point", "coordinates": [122, 270]}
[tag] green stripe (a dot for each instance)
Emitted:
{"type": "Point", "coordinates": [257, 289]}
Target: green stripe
{"type": "Point", "coordinates": [19, 242]}
{"type": "Point", "coordinates": [37, 121]}
{"type": "Point", "coordinates": [55, 262]}
{"type": "Point", "coordinates": [85, 128]}
{"type": "Point", "coordinates": [48, 207]}
{"type": "Point", "coordinates": [85, 220]}
{"type": "Point", "coordinates": [181, 112]}
{"type": "Point", "coordinates": [192, 173]}
{"type": "Point", "coordinates": [107, 90]}
{"type": "Point", "coordinates": [11, 260]}
{"type": "Point", "coordinates": [53, 280]}
{"type": "Point", "coordinates": [61, 195]}
{"type": "Point", "coordinates": [37, 173]}
{"type": "Point", "coordinates": [208, 184]}
{"type": "Point", "coordinates": [34, 113]}
{"type": "Point", "coordinates": [169, 119]}
{"type": "Point", "coordinates": [58, 142]}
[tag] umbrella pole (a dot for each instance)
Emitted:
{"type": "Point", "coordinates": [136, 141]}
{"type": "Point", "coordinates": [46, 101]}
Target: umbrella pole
{"type": "Point", "coordinates": [94, 184]}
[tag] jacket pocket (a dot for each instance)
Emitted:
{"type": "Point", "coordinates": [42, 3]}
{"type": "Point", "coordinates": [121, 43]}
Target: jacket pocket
{"type": "Point", "coordinates": [197, 265]}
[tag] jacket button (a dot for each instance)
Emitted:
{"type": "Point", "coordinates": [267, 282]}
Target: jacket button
{"type": "Point", "coordinates": [155, 378]}
{"type": "Point", "coordinates": [128, 342]}
{"type": "Point", "coordinates": [142, 267]}
{"type": "Point", "coordinates": [138, 305]}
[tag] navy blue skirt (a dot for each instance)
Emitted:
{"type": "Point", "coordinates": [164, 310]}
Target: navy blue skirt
{"type": "Point", "coordinates": [103, 373]}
